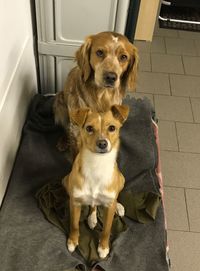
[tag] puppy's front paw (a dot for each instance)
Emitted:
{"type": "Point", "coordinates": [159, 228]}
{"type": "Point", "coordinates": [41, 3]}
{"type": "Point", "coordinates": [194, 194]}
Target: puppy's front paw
{"type": "Point", "coordinates": [92, 220]}
{"type": "Point", "coordinates": [103, 252]}
{"type": "Point", "coordinates": [120, 209]}
{"type": "Point", "coordinates": [71, 245]}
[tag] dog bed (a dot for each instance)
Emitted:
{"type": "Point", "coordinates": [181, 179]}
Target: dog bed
{"type": "Point", "coordinates": [29, 242]}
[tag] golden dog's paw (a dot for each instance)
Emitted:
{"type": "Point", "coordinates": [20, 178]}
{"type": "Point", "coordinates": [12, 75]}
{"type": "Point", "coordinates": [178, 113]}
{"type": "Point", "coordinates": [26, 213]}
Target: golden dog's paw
{"type": "Point", "coordinates": [92, 220]}
{"type": "Point", "coordinates": [71, 245]}
{"type": "Point", "coordinates": [103, 252]}
{"type": "Point", "coordinates": [120, 211]}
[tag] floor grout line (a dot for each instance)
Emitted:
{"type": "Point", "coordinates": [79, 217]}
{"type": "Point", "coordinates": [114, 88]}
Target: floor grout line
{"type": "Point", "coordinates": [187, 211]}
{"type": "Point", "coordinates": [182, 187]}
{"type": "Point", "coordinates": [161, 94]}
{"type": "Point", "coordinates": [177, 140]}
{"type": "Point", "coordinates": [172, 73]}
{"type": "Point", "coordinates": [192, 110]}
{"type": "Point", "coordinates": [184, 152]}
{"type": "Point", "coordinates": [164, 38]}
{"type": "Point", "coordinates": [184, 231]}
{"type": "Point", "coordinates": [170, 85]}
{"type": "Point", "coordinates": [183, 65]}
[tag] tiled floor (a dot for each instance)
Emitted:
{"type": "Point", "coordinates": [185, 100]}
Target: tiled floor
{"type": "Point", "coordinates": [169, 75]}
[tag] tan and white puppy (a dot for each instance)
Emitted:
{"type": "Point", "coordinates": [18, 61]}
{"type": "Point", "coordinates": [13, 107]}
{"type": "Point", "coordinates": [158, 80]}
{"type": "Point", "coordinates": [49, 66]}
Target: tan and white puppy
{"type": "Point", "coordinates": [95, 178]}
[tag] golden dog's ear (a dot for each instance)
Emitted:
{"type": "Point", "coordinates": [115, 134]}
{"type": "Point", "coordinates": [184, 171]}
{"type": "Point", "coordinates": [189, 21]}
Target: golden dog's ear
{"type": "Point", "coordinates": [79, 116]}
{"type": "Point", "coordinates": [83, 58]}
{"type": "Point", "coordinates": [120, 112]}
{"type": "Point", "coordinates": [130, 75]}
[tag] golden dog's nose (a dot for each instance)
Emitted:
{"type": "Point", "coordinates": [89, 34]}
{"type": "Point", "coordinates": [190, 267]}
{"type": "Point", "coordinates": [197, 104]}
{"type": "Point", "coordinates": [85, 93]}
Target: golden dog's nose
{"type": "Point", "coordinates": [110, 77]}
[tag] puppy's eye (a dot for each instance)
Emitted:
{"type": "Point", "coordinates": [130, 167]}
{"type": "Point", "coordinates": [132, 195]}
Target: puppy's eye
{"type": "Point", "coordinates": [100, 53]}
{"type": "Point", "coordinates": [111, 128]}
{"type": "Point", "coordinates": [123, 57]}
{"type": "Point", "coordinates": [89, 129]}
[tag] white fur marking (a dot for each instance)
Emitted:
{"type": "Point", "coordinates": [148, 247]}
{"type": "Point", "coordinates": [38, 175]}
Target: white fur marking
{"type": "Point", "coordinates": [103, 252]}
{"type": "Point", "coordinates": [115, 39]}
{"type": "Point", "coordinates": [98, 172]}
{"type": "Point", "coordinates": [120, 209]}
{"type": "Point", "coordinates": [92, 220]}
{"type": "Point", "coordinates": [71, 246]}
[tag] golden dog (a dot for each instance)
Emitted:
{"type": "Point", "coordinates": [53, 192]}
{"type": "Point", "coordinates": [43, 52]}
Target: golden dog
{"type": "Point", "coordinates": [107, 67]}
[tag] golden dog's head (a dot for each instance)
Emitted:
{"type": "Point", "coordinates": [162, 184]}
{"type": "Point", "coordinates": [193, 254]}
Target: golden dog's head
{"type": "Point", "coordinates": [109, 59]}
{"type": "Point", "coordinates": [100, 131]}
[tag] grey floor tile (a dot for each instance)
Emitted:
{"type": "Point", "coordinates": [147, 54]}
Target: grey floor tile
{"type": "Point", "coordinates": [197, 44]}
{"type": "Point", "coordinates": [184, 250]}
{"type": "Point", "coordinates": [164, 32]}
{"type": "Point", "coordinates": [144, 62]}
{"type": "Point", "coordinates": [175, 204]}
{"type": "Point", "coordinates": [181, 169]}
{"type": "Point", "coordinates": [167, 63]}
{"type": "Point", "coordinates": [185, 85]}
{"type": "Point", "coordinates": [173, 108]}
{"type": "Point", "coordinates": [188, 137]}
{"type": "Point", "coordinates": [192, 65]}
{"type": "Point", "coordinates": [156, 83]}
{"type": "Point", "coordinates": [193, 205]}
{"type": "Point", "coordinates": [196, 109]}
{"type": "Point", "coordinates": [156, 46]}
{"type": "Point", "coordinates": [167, 135]}
{"type": "Point", "coordinates": [180, 46]}
{"type": "Point", "coordinates": [189, 35]}
{"type": "Point", "coordinates": [143, 46]}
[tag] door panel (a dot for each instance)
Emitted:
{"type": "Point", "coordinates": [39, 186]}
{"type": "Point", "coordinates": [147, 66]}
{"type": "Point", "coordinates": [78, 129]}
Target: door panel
{"type": "Point", "coordinates": [63, 67]}
{"type": "Point", "coordinates": [78, 19]}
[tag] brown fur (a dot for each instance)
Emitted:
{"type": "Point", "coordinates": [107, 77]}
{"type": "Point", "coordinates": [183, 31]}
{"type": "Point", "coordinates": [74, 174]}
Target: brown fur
{"type": "Point", "coordinates": [85, 85]}
{"type": "Point", "coordinates": [76, 179]}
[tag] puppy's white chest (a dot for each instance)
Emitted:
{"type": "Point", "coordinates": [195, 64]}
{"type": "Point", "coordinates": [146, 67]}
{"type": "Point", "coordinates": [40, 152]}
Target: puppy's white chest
{"type": "Point", "coordinates": [98, 172]}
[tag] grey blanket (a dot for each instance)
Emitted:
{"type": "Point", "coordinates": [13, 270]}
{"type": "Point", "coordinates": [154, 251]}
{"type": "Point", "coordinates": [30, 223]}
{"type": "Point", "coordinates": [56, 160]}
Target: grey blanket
{"type": "Point", "coordinates": [29, 242]}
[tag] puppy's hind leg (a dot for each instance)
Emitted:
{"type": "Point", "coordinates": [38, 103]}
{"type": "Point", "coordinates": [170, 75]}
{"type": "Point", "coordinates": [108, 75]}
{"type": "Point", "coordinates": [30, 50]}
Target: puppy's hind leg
{"type": "Point", "coordinates": [92, 218]}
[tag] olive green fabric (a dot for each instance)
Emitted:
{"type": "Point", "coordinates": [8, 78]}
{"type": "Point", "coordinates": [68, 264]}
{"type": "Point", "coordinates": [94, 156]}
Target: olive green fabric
{"type": "Point", "coordinates": [54, 202]}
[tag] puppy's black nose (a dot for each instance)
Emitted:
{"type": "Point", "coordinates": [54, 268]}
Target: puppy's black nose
{"type": "Point", "coordinates": [110, 77]}
{"type": "Point", "coordinates": [102, 144]}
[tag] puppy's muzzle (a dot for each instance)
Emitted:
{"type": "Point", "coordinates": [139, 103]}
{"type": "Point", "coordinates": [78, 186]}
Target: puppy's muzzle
{"type": "Point", "coordinates": [102, 146]}
{"type": "Point", "coordinates": [110, 78]}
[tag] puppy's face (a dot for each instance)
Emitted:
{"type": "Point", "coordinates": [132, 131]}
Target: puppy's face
{"type": "Point", "coordinates": [100, 132]}
{"type": "Point", "coordinates": [111, 58]}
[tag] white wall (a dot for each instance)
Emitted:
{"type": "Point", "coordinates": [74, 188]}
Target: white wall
{"type": "Point", "coordinates": [17, 79]}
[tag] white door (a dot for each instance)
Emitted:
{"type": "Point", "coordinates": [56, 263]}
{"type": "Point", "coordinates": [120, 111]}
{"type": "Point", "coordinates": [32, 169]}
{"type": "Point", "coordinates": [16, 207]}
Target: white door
{"type": "Point", "coordinates": [63, 25]}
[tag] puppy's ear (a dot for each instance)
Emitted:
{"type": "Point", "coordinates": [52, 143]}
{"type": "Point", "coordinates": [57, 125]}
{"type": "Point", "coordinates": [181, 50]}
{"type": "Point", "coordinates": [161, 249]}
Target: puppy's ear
{"type": "Point", "coordinates": [83, 58]}
{"type": "Point", "coordinates": [120, 112]}
{"type": "Point", "coordinates": [130, 75]}
{"type": "Point", "coordinates": [79, 116]}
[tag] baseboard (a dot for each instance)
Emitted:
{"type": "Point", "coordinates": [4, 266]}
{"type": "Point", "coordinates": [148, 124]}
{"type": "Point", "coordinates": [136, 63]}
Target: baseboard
{"type": "Point", "coordinates": [21, 89]}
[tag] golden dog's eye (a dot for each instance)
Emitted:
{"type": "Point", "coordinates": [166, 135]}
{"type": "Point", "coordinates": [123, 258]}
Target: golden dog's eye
{"type": "Point", "coordinates": [89, 129]}
{"type": "Point", "coordinates": [123, 57]}
{"type": "Point", "coordinates": [100, 53]}
{"type": "Point", "coordinates": [111, 128]}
